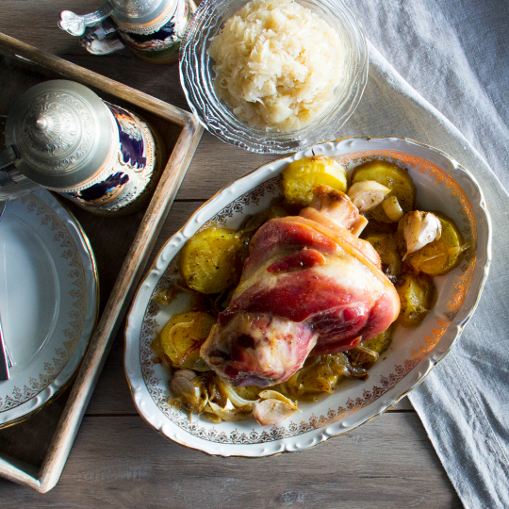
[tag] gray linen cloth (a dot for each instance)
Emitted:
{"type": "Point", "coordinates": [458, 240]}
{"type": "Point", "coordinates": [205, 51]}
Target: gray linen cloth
{"type": "Point", "coordinates": [456, 54]}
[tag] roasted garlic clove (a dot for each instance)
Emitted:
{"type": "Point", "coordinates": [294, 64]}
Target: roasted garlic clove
{"type": "Point", "coordinates": [392, 208]}
{"type": "Point", "coordinates": [367, 194]}
{"type": "Point", "coordinates": [271, 411]}
{"type": "Point", "coordinates": [183, 385]}
{"type": "Point", "coordinates": [420, 228]}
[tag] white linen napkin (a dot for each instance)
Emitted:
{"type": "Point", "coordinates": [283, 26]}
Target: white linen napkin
{"type": "Point", "coordinates": [464, 402]}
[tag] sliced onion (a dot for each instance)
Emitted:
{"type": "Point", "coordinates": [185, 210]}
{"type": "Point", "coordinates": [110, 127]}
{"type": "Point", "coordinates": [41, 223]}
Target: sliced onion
{"type": "Point", "coordinates": [229, 392]}
{"type": "Point", "coordinates": [364, 354]}
{"type": "Point", "coordinates": [270, 394]}
{"type": "Point", "coordinates": [419, 229]}
{"type": "Point", "coordinates": [349, 370]}
{"type": "Point", "coordinates": [230, 415]}
{"type": "Point", "coordinates": [367, 194]}
{"type": "Point", "coordinates": [393, 209]}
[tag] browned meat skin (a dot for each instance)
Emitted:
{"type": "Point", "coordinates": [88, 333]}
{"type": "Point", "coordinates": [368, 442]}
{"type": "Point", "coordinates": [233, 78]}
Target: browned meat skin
{"type": "Point", "coordinates": [309, 285]}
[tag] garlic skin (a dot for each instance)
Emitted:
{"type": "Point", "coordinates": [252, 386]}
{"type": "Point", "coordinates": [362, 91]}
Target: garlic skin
{"type": "Point", "coordinates": [181, 384]}
{"type": "Point", "coordinates": [270, 394]}
{"type": "Point", "coordinates": [271, 411]}
{"type": "Point", "coordinates": [367, 194]}
{"type": "Point", "coordinates": [393, 209]}
{"type": "Point", "coordinates": [419, 229]}
{"type": "Point", "coordinates": [272, 408]}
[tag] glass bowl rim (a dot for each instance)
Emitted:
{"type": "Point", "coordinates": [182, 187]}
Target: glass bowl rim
{"type": "Point", "coordinates": [219, 119]}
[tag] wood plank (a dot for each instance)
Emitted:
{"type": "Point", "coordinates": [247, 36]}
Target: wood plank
{"type": "Point", "coordinates": [121, 462]}
{"type": "Point", "coordinates": [215, 165]}
{"type": "Point", "coordinates": [162, 81]}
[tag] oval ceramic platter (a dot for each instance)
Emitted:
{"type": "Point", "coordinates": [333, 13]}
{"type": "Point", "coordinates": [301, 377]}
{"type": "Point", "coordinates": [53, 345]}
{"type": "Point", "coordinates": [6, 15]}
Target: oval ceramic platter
{"type": "Point", "coordinates": [442, 184]}
{"type": "Point", "coordinates": [48, 301]}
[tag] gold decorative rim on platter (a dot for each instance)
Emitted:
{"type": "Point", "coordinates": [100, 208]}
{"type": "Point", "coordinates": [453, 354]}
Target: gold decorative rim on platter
{"type": "Point", "coordinates": [442, 185]}
{"type": "Point", "coordinates": [41, 237]}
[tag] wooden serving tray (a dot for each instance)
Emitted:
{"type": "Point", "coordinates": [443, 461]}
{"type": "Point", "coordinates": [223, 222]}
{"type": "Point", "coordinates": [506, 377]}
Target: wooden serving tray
{"type": "Point", "coordinates": [34, 452]}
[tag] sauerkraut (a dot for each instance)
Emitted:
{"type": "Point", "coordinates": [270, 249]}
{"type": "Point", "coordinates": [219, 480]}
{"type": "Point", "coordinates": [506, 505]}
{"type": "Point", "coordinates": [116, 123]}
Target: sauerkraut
{"type": "Point", "coordinates": [277, 64]}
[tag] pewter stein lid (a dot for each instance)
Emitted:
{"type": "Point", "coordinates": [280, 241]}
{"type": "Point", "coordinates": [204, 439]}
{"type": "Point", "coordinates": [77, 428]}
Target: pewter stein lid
{"type": "Point", "coordinates": [62, 133]}
{"type": "Point", "coordinates": [137, 12]}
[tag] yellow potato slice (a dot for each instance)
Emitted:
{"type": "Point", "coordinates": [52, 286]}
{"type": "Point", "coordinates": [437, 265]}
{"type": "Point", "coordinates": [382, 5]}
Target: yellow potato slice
{"type": "Point", "coordinates": [300, 177]}
{"type": "Point", "coordinates": [210, 261]}
{"type": "Point", "coordinates": [441, 255]}
{"type": "Point", "coordinates": [182, 337]}
{"type": "Point", "coordinates": [387, 248]}
{"type": "Point", "coordinates": [392, 176]}
{"type": "Point", "coordinates": [417, 295]}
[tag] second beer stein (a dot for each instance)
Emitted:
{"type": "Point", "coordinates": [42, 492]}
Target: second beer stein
{"type": "Point", "coordinates": [152, 29]}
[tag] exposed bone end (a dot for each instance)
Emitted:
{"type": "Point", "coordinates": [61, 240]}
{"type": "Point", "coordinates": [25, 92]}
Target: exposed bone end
{"type": "Point", "coordinates": [336, 207]}
{"type": "Point", "coordinates": [359, 227]}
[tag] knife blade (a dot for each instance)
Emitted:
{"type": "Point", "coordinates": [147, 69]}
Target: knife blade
{"type": "Point", "coordinates": [4, 363]}
{"type": "Point", "coordinates": [4, 360]}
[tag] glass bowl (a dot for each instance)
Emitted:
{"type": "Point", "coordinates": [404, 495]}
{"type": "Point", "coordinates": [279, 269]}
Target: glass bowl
{"type": "Point", "coordinates": [197, 75]}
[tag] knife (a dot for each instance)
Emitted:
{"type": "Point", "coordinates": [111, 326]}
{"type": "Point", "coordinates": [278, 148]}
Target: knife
{"type": "Point", "coordinates": [4, 364]}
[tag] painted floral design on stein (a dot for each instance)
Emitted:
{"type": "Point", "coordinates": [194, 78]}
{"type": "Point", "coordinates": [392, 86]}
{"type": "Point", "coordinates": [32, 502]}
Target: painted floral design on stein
{"type": "Point", "coordinates": [62, 136]}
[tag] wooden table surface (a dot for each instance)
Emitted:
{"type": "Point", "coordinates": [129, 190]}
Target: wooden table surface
{"type": "Point", "coordinates": [118, 461]}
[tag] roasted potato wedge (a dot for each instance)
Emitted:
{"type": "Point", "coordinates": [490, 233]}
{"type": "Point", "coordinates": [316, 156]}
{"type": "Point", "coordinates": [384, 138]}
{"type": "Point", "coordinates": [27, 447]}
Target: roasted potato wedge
{"type": "Point", "coordinates": [300, 177]}
{"type": "Point", "coordinates": [182, 337]}
{"type": "Point", "coordinates": [417, 295]}
{"type": "Point", "coordinates": [441, 255]}
{"type": "Point", "coordinates": [392, 176]}
{"type": "Point", "coordinates": [387, 248]}
{"type": "Point", "coordinates": [211, 260]}
{"type": "Point", "coordinates": [381, 342]}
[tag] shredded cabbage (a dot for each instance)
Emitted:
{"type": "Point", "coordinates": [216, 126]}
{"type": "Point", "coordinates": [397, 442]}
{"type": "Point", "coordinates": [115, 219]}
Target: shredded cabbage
{"type": "Point", "coordinates": [277, 64]}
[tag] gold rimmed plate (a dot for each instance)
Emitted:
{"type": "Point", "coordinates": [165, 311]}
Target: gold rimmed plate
{"type": "Point", "coordinates": [442, 184]}
{"type": "Point", "coordinates": [48, 298]}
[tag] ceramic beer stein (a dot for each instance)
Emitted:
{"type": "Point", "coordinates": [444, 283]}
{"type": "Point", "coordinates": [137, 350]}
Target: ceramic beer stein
{"type": "Point", "coordinates": [152, 29]}
{"type": "Point", "coordinates": [62, 136]}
